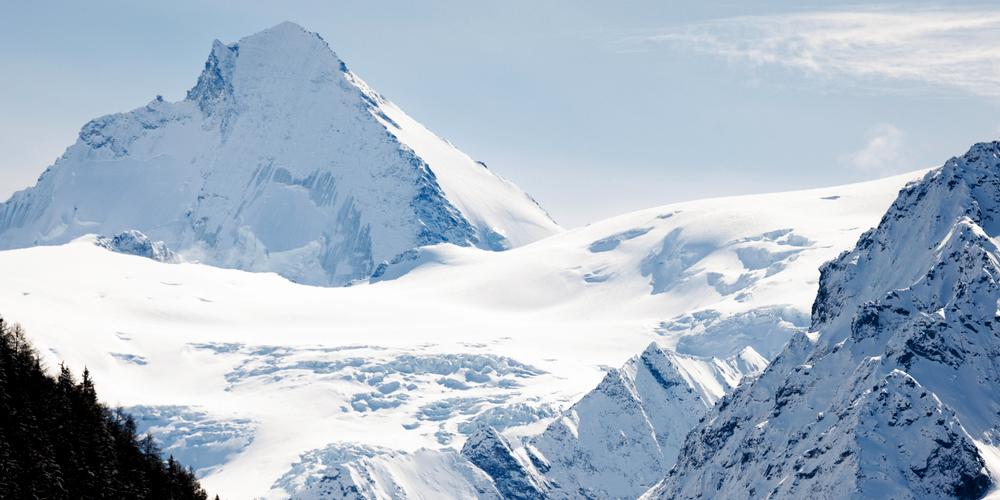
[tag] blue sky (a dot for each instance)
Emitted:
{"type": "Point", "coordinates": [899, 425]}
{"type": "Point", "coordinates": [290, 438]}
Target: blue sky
{"type": "Point", "coordinates": [595, 108]}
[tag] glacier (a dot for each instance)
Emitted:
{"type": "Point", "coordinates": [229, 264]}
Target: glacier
{"type": "Point", "coordinates": [279, 159]}
{"type": "Point", "coordinates": [276, 378]}
{"type": "Point", "coordinates": [742, 347]}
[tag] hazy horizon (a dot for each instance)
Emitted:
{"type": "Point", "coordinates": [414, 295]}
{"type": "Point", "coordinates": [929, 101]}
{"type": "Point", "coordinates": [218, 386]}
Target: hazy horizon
{"type": "Point", "coordinates": [594, 110]}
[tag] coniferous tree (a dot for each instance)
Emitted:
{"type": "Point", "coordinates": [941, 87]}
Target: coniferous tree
{"type": "Point", "coordinates": [58, 441]}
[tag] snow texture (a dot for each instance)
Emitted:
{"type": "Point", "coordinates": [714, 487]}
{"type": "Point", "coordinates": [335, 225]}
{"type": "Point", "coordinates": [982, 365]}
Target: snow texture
{"type": "Point", "coordinates": [455, 341]}
{"type": "Point", "coordinates": [619, 439]}
{"type": "Point", "coordinates": [194, 437]}
{"type": "Point", "coordinates": [353, 471]}
{"type": "Point", "coordinates": [894, 392]}
{"type": "Point", "coordinates": [467, 341]}
{"type": "Point", "coordinates": [280, 159]}
{"type": "Point", "coordinates": [133, 242]}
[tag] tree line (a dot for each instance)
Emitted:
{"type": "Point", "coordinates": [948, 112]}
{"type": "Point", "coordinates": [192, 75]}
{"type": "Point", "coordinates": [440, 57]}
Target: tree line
{"type": "Point", "coordinates": [57, 441]}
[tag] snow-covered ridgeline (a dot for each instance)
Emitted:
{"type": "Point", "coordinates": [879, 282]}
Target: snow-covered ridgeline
{"type": "Point", "coordinates": [619, 438]}
{"type": "Point", "coordinates": [277, 379]}
{"type": "Point", "coordinates": [279, 159]}
{"type": "Point", "coordinates": [614, 443]}
{"type": "Point", "coordinates": [896, 393]}
{"type": "Point", "coordinates": [133, 242]}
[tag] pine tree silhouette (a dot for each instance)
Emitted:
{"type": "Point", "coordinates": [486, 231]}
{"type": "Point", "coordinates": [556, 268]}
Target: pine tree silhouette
{"type": "Point", "coordinates": [58, 441]}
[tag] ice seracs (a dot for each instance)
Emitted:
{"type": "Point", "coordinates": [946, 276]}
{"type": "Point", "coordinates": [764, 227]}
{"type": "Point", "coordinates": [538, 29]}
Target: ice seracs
{"type": "Point", "coordinates": [613, 443]}
{"type": "Point", "coordinates": [279, 159]}
{"type": "Point", "coordinates": [279, 378]}
{"type": "Point", "coordinates": [350, 470]}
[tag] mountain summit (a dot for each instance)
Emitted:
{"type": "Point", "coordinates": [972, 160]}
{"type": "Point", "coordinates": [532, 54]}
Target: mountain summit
{"type": "Point", "coordinates": [895, 393]}
{"type": "Point", "coordinates": [279, 159]}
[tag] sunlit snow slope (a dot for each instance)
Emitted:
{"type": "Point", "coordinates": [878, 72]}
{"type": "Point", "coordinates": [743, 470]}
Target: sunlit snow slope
{"type": "Point", "coordinates": [279, 159]}
{"type": "Point", "coordinates": [261, 382]}
{"type": "Point", "coordinates": [893, 392]}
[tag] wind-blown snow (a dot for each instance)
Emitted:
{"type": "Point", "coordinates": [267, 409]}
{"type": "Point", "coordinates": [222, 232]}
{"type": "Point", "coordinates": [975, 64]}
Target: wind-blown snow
{"type": "Point", "coordinates": [465, 341]}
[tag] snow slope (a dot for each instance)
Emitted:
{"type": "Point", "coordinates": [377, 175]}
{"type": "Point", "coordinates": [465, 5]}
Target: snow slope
{"type": "Point", "coordinates": [357, 471]}
{"type": "Point", "coordinates": [620, 437]}
{"type": "Point", "coordinates": [277, 385]}
{"type": "Point", "coordinates": [615, 442]}
{"type": "Point", "coordinates": [279, 159]}
{"type": "Point", "coordinates": [895, 392]}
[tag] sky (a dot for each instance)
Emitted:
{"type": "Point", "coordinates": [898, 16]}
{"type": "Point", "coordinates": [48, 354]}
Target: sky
{"type": "Point", "coordinates": [595, 108]}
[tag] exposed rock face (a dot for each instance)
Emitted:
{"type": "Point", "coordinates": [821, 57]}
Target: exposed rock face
{"type": "Point", "coordinates": [618, 440]}
{"type": "Point", "coordinates": [279, 159]}
{"type": "Point", "coordinates": [513, 476]}
{"type": "Point", "coordinates": [133, 242]}
{"type": "Point", "coordinates": [896, 394]}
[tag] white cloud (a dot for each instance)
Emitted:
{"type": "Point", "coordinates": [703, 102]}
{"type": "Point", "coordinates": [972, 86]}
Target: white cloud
{"type": "Point", "coordinates": [884, 149]}
{"type": "Point", "coordinates": [951, 49]}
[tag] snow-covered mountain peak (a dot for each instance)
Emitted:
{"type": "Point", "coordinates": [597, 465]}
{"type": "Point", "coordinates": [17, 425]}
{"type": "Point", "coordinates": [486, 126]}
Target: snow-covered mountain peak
{"type": "Point", "coordinates": [279, 377]}
{"type": "Point", "coordinates": [291, 35]}
{"type": "Point", "coordinates": [277, 63]}
{"type": "Point", "coordinates": [894, 393]}
{"type": "Point", "coordinates": [618, 439]}
{"type": "Point", "coordinates": [900, 250]}
{"type": "Point", "coordinates": [279, 159]}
